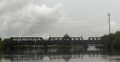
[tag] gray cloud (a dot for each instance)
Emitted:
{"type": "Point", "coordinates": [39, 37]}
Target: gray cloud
{"type": "Point", "coordinates": [27, 18]}
{"type": "Point", "coordinates": [14, 5]}
{"type": "Point", "coordinates": [31, 20]}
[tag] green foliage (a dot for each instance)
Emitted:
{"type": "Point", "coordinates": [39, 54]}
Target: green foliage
{"type": "Point", "coordinates": [107, 40]}
{"type": "Point", "coordinates": [1, 44]}
{"type": "Point", "coordinates": [112, 40]}
{"type": "Point", "coordinates": [104, 39]}
{"type": "Point", "coordinates": [116, 42]}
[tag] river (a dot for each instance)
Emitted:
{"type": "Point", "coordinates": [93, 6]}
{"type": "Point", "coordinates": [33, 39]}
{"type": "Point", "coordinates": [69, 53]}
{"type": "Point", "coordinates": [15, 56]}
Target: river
{"type": "Point", "coordinates": [90, 54]}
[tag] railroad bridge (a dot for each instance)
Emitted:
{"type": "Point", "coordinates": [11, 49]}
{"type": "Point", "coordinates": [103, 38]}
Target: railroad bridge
{"type": "Point", "coordinates": [65, 40]}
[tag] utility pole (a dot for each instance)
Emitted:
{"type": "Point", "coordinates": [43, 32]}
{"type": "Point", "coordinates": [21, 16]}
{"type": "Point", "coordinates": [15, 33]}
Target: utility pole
{"type": "Point", "coordinates": [109, 21]}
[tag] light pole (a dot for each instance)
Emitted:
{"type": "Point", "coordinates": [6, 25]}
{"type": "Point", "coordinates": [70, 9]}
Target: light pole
{"type": "Point", "coordinates": [109, 21]}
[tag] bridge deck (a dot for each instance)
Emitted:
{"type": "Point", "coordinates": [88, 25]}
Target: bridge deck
{"type": "Point", "coordinates": [56, 42]}
{"type": "Point", "coordinates": [52, 40]}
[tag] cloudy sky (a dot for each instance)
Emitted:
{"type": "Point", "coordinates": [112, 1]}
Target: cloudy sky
{"type": "Point", "coordinates": [33, 18]}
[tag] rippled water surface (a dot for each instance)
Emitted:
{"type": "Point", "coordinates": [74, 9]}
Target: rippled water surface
{"type": "Point", "coordinates": [58, 55]}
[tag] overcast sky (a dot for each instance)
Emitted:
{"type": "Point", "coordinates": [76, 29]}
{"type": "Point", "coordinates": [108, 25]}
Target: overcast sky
{"type": "Point", "coordinates": [42, 18]}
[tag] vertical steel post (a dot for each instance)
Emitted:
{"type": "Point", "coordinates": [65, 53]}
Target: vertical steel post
{"type": "Point", "coordinates": [109, 21]}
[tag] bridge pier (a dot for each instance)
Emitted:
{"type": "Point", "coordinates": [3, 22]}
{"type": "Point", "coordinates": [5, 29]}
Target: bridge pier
{"type": "Point", "coordinates": [85, 46]}
{"type": "Point", "coordinates": [45, 46]}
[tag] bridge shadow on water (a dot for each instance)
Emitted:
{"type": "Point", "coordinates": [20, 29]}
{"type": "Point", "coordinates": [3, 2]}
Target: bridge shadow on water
{"type": "Point", "coordinates": [52, 54]}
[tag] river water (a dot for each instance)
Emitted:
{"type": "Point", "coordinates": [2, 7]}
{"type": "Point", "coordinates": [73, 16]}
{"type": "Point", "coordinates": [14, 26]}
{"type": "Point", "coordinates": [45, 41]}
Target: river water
{"type": "Point", "coordinates": [77, 54]}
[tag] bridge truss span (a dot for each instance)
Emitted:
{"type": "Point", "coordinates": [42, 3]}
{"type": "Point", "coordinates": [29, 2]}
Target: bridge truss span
{"type": "Point", "coordinates": [26, 38]}
{"type": "Point", "coordinates": [65, 38]}
{"type": "Point", "coordinates": [94, 38]}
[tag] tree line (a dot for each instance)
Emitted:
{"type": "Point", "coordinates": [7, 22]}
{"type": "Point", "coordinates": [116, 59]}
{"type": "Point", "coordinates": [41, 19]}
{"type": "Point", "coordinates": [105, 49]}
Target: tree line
{"type": "Point", "coordinates": [111, 40]}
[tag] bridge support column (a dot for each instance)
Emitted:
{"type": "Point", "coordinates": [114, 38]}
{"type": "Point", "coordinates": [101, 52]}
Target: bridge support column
{"type": "Point", "coordinates": [45, 46]}
{"type": "Point", "coordinates": [85, 46]}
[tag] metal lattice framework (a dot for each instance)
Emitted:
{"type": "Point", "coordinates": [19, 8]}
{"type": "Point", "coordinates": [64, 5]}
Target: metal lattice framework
{"type": "Point", "coordinates": [66, 38]}
{"type": "Point", "coordinates": [94, 38]}
{"type": "Point", "coordinates": [26, 38]}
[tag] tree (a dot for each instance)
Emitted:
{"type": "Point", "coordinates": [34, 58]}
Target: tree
{"type": "Point", "coordinates": [116, 42]}
{"type": "Point", "coordinates": [1, 44]}
{"type": "Point", "coordinates": [107, 40]}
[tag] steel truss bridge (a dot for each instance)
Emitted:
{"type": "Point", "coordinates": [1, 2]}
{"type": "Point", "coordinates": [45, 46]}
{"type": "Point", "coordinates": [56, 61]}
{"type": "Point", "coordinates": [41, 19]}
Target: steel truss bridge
{"type": "Point", "coordinates": [66, 40]}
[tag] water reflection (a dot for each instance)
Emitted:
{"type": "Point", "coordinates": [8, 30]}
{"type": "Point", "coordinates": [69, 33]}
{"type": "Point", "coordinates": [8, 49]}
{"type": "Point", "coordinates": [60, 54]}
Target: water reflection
{"type": "Point", "coordinates": [52, 54]}
{"type": "Point", "coordinates": [1, 55]}
{"type": "Point", "coordinates": [111, 54]}
{"type": "Point", "coordinates": [58, 55]}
